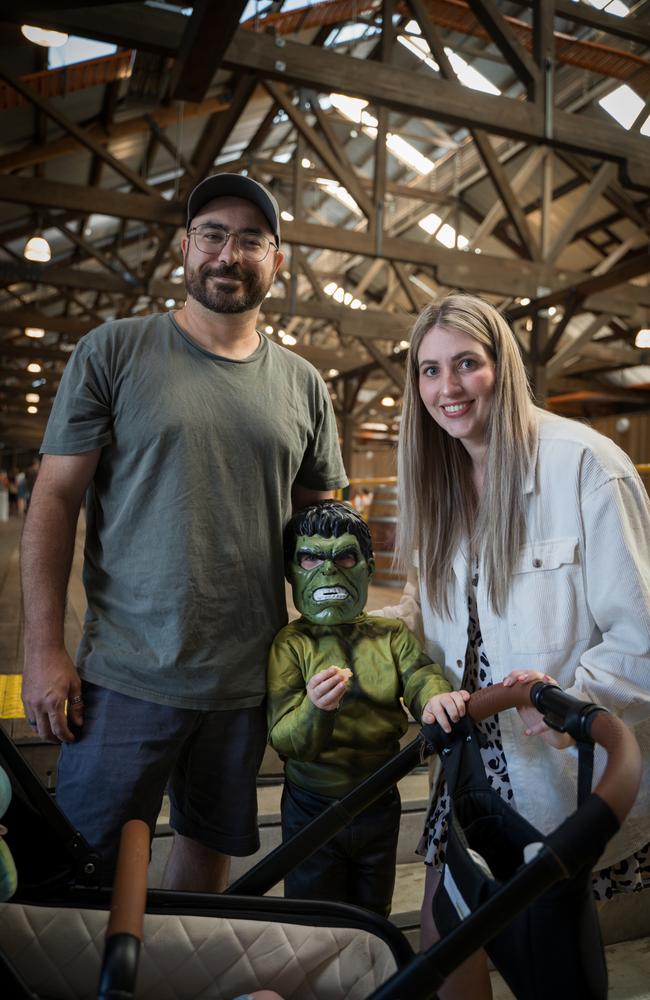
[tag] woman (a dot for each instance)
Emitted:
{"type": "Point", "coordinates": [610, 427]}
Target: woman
{"type": "Point", "coordinates": [532, 535]}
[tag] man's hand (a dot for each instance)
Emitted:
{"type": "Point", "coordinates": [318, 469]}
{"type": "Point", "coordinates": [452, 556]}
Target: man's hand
{"type": "Point", "coordinates": [445, 707]}
{"type": "Point", "coordinates": [326, 689]}
{"type": "Point", "coordinates": [48, 683]}
{"type": "Point", "coordinates": [531, 718]}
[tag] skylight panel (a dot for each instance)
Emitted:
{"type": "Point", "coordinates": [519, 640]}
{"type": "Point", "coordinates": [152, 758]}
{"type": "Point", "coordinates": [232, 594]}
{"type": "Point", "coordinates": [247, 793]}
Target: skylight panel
{"type": "Point", "coordinates": [354, 109]}
{"type": "Point", "coordinates": [408, 154]}
{"type": "Point", "coordinates": [469, 76]}
{"type": "Point", "coordinates": [447, 236]}
{"type": "Point", "coordinates": [78, 50]}
{"type": "Point", "coordinates": [645, 128]}
{"type": "Point", "coordinates": [419, 48]}
{"type": "Point", "coordinates": [343, 196]}
{"type": "Point", "coordinates": [341, 295]}
{"type": "Point", "coordinates": [623, 104]}
{"type": "Point", "coordinates": [430, 223]}
{"type": "Point", "coordinates": [615, 7]}
{"type": "Point", "coordinates": [351, 33]}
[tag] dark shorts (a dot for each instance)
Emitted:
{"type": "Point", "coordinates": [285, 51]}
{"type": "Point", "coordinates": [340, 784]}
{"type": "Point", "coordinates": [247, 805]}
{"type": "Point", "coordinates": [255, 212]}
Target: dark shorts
{"type": "Point", "coordinates": [358, 864]}
{"type": "Point", "coordinates": [130, 751]}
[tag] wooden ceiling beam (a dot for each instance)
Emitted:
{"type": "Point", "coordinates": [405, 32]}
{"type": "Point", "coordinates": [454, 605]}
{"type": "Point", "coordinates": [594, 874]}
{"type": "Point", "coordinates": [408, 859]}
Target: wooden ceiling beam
{"type": "Point", "coordinates": [634, 29]}
{"type": "Point", "coordinates": [454, 268]}
{"type": "Point", "coordinates": [78, 198]}
{"type": "Point", "coordinates": [337, 166]}
{"type": "Point", "coordinates": [77, 132]}
{"type": "Point", "coordinates": [206, 38]}
{"type": "Point", "coordinates": [518, 57]}
{"type": "Point", "coordinates": [66, 145]}
{"type": "Point", "coordinates": [580, 210]}
{"type": "Point", "coordinates": [20, 318]}
{"type": "Point", "coordinates": [491, 162]}
{"type": "Point", "coordinates": [415, 94]}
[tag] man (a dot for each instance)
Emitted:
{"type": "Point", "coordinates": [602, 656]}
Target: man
{"type": "Point", "coordinates": [193, 435]}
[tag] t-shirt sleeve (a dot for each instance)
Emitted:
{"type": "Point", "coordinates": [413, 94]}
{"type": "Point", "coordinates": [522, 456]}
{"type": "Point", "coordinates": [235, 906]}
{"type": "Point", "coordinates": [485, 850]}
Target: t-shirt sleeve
{"type": "Point", "coordinates": [322, 466]}
{"type": "Point", "coordinates": [80, 420]}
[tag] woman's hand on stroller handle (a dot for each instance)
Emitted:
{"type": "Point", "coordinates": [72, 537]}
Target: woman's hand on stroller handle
{"type": "Point", "coordinates": [531, 718]}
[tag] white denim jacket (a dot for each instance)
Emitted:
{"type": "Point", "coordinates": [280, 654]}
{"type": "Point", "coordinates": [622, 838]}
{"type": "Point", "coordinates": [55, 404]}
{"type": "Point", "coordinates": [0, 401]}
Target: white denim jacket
{"type": "Point", "coordinates": [578, 609]}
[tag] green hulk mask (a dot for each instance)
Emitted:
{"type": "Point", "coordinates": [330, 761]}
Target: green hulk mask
{"type": "Point", "coordinates": [329, 562]}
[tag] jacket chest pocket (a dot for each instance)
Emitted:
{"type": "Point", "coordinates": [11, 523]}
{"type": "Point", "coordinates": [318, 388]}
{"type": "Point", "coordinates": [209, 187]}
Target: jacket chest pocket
{"type": "Point", "coordinates": [547, 607]}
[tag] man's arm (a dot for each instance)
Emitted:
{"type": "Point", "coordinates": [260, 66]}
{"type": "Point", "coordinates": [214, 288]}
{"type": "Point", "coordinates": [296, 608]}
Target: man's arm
{"type": "Point", "coordinates": [302, 496]}
{"type": "Point", "coordinates": [50, 677]}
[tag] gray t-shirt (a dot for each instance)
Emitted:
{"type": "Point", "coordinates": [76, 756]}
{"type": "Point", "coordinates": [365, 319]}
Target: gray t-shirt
{"type": "Point", "coordinates": [183, 561]}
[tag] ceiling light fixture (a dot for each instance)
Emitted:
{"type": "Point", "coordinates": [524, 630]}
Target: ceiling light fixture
{"type": "Point", "coordinates": [46, 37]}
{"type": "Point", "coordinates": [33, 367]}
{"type": "Point", "coordinates": [38, 249]}
{"type": "Point", "coordinates": [34, 331]}
{"type": "Point", "coordinates": [32, 409]}
{"type": "Point", "coordinates": [642, 338]}
{"type": "Point", "coordinates": [32, 397]}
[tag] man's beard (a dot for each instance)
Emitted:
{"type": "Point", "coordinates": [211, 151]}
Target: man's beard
{"type": "Point", "coordinates": [218, 299]}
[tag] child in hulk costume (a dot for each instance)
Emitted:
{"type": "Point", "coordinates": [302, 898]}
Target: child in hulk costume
{"type": "Point", "coordinates": [335, 680]}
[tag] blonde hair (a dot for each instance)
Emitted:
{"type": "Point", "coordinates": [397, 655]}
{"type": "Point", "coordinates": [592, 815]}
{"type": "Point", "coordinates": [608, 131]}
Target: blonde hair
{"type": "Point", "coordinates": [438, 503]}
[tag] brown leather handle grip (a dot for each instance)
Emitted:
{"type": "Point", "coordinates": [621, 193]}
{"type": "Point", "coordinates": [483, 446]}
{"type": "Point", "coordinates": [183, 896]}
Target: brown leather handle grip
{"type": "Point", "coordinates": [619, 784]}
{"type": "Point", "coordinates": [130, 888]}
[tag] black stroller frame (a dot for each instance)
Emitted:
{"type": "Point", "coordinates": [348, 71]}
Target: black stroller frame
{"type": "Point", "coordinates": [564, 854]}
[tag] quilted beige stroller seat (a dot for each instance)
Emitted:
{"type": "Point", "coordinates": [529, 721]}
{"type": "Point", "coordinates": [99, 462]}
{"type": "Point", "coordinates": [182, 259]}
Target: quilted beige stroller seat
{"type": "Point", "coordinates": [195, 945]}
{"type": "Point", "coordinates": [57, 952]}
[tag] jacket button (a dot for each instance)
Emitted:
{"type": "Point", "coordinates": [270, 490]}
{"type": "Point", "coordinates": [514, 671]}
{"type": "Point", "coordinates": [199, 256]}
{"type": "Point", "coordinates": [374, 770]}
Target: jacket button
{"type": "Point", "coordinates": [537, 563]}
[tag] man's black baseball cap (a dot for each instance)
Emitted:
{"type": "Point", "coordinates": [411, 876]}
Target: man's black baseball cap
{"type": "Point", "coordinates": [235, 186]}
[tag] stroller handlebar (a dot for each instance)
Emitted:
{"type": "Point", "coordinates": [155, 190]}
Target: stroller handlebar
{"type": "Point", "coordinates": [619, 784]}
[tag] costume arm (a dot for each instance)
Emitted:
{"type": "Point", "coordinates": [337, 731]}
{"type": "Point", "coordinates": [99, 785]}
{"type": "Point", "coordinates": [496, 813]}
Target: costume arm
{"type": "Point", "coordinates": [421, 678]}
{"type": "Point", "coordinates": [46, 557]}
{"type": "Point", "coordinates": [297, 729]}
{"type": "Point", "coordinates": [616, 671]}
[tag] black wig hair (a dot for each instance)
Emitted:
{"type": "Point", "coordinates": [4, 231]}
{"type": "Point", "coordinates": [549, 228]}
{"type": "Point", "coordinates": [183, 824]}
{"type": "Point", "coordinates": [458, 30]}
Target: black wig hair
{"type": "Point", "coordinates": [331, 519]}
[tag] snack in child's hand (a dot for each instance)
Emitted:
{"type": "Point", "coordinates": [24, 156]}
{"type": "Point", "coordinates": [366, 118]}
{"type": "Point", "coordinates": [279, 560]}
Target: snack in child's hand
{"type": "Point", "coordinates": [344, 674]}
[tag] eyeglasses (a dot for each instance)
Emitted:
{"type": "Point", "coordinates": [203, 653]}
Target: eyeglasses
{"type": "Point", "coordinates": [211, 239]}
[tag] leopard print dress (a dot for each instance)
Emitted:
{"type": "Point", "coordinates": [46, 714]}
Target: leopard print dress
{"type": "Point", "coordinates": [630, 875]}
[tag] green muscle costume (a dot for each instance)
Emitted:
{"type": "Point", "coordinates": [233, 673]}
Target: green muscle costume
{"type": "Point", "coordinates": [330, 752]}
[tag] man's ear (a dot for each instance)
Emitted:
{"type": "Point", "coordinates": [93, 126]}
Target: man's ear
{"type": "Point", "coordinates": [371, 568]}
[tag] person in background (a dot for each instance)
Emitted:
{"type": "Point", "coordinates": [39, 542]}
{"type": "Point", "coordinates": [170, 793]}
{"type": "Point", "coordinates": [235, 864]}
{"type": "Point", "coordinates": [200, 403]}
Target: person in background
{"type": "Point", "coordinates": [4, 495]}
{"type": "Point", "coordinates": [527, 539]}
{"type": "Point", "coordinates": [335, 682]}
{"type": "Point", "coordinates": [363, 502]}
{"type": "Point", "coordinates": [171, 423]}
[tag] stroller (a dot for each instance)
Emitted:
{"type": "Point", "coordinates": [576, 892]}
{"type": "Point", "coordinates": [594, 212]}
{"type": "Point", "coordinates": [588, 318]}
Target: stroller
{"type": "Point", "coordinates": [498, 893]}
